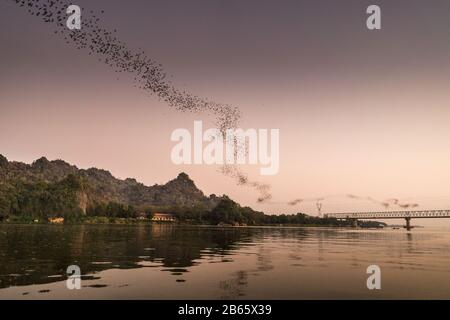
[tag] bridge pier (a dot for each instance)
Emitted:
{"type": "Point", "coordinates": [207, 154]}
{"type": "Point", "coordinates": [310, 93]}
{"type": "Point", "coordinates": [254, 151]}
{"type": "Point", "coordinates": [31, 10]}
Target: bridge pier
{"type": "Point", "coordinates": [354, 223]}
{"type": "Point", "coordinates": [408, 223]}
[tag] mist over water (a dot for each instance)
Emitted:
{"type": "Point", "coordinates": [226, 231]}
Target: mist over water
{"type": "Point", "coordinates": [188, 262]}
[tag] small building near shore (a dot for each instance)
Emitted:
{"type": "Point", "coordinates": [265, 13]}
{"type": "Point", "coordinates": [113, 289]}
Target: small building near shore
{"type": "Point", "coordinates": [167, 217]}
{"type": "Point", "coordinates": [58, 220]}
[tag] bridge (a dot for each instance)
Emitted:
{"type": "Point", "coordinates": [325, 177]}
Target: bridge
{"type": "Point", "coordinates": [407, 215]}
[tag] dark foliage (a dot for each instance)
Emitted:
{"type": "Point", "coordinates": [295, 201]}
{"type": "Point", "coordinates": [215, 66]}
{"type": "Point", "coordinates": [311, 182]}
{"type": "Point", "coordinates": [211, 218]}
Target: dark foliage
{"type": "Point", "coordinates": [50, 189]}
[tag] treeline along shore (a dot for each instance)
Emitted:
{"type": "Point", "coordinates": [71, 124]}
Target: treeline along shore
{"type": "Point", "coordinates": [55, 191]}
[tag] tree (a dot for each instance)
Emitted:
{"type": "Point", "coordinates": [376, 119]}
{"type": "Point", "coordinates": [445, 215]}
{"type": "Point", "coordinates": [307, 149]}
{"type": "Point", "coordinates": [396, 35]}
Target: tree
{"type": "Point", "coordinates": [5, 207]}
{"type": "Point", "coordinates": [226, 211]}
{"type": "Point", "coordinates": [149, 213]}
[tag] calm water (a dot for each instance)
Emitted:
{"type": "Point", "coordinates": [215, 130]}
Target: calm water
{"type": "Point", "coordinates": [174, 262]}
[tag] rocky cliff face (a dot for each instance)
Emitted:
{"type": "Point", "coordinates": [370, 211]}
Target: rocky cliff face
{"type": "Point", "coordinates": [82, 199]}
{"type": "Point", "coordinates": [101, 185]}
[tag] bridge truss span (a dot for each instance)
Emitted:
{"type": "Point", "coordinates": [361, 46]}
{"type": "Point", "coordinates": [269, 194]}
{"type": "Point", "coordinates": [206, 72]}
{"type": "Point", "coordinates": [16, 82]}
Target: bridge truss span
{"type": "Point", "coordinates": [407, 215]}
{"type": "Point", "coordinates": [392, 214]}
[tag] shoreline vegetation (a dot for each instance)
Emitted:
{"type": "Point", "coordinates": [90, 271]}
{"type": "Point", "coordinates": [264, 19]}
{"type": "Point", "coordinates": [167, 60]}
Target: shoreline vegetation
{"type": "Point", "coordinates": [56, 192]}
{"type": "Point", "coordinates": [92, 220]}
{"type": "Point", "coordinates": [148, 222]}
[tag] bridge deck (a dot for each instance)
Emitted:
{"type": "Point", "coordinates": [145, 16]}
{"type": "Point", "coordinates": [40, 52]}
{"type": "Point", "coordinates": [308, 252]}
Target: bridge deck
{"type": "Point", "coordinates": [392, 214]}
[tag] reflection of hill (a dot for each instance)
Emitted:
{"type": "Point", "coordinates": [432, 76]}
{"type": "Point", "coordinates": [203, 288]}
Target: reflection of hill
{"type": "Point", "coordinates": [40, 254]}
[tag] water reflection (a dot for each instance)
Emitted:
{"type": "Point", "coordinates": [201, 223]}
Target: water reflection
{"type": "Point", "coordinates": [235, 287]}
{"type": "Point", "coordinates": [223, 263]}
{"type": "Point", "coordinates": [40, 254]}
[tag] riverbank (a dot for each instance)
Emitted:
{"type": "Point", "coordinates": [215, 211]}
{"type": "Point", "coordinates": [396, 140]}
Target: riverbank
{"type": "Point", "coordinates": [141, 221]}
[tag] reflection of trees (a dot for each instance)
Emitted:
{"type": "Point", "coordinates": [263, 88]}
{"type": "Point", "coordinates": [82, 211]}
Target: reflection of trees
{"type": "Point", "coordinates": [29, 254]}
{"type": "Point", "coordinates": [36, 254]}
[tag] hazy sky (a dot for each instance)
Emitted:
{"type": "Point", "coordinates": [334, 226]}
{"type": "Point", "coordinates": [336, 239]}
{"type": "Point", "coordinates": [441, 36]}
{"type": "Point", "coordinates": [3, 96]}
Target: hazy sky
{"type": "Point", "coordinates": [359, 111]}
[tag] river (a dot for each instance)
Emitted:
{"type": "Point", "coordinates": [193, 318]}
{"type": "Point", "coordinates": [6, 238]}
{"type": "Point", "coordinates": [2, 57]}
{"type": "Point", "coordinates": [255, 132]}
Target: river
{"type": "Point", "coordinates": [164, 261]}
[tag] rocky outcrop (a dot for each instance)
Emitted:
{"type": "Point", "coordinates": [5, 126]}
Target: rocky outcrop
{"type": "Point", "coordinates": [101, 186]}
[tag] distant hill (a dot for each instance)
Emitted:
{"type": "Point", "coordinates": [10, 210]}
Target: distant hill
{"type": "Point", "coordinates": [49, 189]}
{"type": "Point", "coordinates": [92, 186]}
